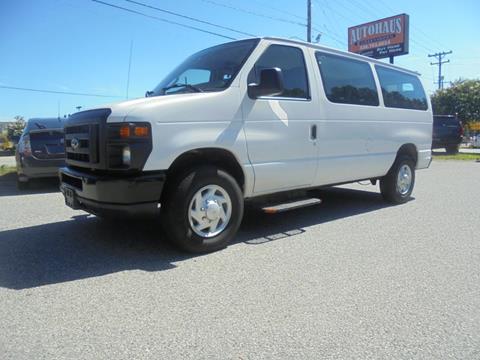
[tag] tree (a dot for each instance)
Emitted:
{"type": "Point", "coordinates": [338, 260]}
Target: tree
{"type": "Point", "coordinates": [15, 130]}
{"type": "Point", "coordinates": [463, 97]}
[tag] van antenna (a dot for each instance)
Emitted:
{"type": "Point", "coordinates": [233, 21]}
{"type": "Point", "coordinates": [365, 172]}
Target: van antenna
{"type": "Point", "coordinates": [129, 66]}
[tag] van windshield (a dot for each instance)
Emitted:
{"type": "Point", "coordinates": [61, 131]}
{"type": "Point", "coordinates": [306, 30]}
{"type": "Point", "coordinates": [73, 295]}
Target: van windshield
{"type": "Point", "coordinates": [212, 69]}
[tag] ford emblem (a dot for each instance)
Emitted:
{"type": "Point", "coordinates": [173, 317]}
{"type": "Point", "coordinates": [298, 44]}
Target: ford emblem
{"type": "Point", "coordinates": [75, 143]}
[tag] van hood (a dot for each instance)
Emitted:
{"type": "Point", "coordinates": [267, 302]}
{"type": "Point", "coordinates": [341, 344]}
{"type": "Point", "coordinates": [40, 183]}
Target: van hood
{"type": "Point", "coordinates": [121, 110]}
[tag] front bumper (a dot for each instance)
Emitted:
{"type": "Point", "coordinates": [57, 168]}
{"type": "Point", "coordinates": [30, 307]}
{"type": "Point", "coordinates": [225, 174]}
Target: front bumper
{"type": "Point", "coordinates": [137, 194]}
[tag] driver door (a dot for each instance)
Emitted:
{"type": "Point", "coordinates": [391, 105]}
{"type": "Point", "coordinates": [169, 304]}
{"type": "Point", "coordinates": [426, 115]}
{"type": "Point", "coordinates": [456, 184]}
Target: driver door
{"type": "Point", "coordinates": [281, 130]}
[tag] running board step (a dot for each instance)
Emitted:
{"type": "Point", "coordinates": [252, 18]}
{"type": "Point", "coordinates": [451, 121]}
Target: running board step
{"type": "Point", "coordinates": [275, 209]}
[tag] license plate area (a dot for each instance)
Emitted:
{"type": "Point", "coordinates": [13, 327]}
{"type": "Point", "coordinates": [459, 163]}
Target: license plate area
{"type": "Point", "coordinates": [70, 198]}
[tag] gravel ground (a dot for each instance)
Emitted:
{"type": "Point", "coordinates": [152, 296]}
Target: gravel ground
{"type": "Point", "coordinates": [351, 278]}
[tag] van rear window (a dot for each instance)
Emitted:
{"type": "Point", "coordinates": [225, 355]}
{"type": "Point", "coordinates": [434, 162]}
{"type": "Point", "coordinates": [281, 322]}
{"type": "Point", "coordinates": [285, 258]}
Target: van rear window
{"type": "Point", "coordinates": [401, 90]}
{"type": "Point", "coordinates": [347, 81]}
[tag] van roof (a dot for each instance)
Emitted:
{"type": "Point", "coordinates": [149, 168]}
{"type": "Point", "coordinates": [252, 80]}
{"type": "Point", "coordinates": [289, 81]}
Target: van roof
{"type": "Point", "coordinates": [340, 52]}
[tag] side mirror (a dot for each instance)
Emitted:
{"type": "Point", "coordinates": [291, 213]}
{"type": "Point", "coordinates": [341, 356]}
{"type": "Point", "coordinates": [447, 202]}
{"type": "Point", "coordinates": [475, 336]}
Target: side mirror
{"type": "Point", "coordinates": [148, 93]}
{"type": "Point", "coordinates": [271, 84]}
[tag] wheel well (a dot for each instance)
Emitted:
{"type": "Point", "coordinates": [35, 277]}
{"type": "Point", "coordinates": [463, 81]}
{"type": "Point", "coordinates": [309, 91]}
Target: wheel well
{"type": "Point", "coordinates": [409, 150]}
{"type": "Point", "coordinates": [223, 159]}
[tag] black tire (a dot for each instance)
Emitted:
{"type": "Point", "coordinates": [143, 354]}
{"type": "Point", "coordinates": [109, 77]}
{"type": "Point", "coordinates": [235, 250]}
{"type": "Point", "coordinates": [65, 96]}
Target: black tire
{"type": "Point", "coordinates": [452, 149]}
{"type": "Point", "coordinates": [23, 185]}
{"type": "Point", "coordinates": [175, 209]}
{"type": "Point", "coordinates": [388, 184]}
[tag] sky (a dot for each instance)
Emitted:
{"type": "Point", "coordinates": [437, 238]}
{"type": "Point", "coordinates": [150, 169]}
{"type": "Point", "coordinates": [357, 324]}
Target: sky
{"type": "Point", "coordinates": [83, 46]}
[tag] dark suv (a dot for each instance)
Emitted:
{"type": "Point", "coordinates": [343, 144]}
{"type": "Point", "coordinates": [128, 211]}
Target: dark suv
{"type": "Point", "coordinates": [40, 151]}
{"type": "Point", "coordinates": [447, 133]}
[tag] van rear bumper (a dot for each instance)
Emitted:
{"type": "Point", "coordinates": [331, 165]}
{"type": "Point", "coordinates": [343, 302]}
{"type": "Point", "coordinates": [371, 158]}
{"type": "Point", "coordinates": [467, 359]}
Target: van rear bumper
{"type": "Point", "coordinates": [131, 195]}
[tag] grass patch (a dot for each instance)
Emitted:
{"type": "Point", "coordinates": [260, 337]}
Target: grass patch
{"type": "Point", "coordinates": [4, 169]}
{"type": "Point", "coordinates": [459, 156]}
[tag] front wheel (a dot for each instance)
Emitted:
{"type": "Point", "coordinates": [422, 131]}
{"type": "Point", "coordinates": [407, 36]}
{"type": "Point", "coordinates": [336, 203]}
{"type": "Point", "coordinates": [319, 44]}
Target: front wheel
{"type": "Point", "coordinates": [397, 186]}
{"type": "Point", "coordinates": [203, 210]}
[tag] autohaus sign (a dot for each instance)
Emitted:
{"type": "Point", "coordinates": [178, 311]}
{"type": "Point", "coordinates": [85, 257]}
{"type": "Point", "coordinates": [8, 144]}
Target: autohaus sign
{"type": "Point", "coordinates": [380, 39]}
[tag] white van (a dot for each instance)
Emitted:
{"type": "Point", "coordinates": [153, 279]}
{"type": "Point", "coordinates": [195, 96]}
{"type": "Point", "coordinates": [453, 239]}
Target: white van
{"type": "Point", "coordinates": [244, 120]}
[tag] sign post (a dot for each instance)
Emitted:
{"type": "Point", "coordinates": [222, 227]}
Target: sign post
{"type": "Point", "coordinates": [384, 38]}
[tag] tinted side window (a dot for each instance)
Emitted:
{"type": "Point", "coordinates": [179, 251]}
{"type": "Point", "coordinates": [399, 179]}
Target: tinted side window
{"type": "Point", "coordinates": [290, 60]}
{"type": "Point", "coordinates": [401, 90]}
{"type": "Point", "coordinates": [347, 81]}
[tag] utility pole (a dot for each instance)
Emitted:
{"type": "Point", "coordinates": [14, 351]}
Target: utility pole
{"type": "Point", "coordinates": [309, 21]}
{"type": "Point", "coordinates": [440, 56]}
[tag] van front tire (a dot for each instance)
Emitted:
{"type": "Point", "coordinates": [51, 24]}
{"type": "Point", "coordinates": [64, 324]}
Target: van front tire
{"type": "Point", "coordinates": [202, 211]}
{"type": "Point", "coordinates": [397, 186]}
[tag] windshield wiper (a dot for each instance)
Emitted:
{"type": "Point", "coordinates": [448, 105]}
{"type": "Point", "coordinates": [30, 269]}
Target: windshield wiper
{"type": "Point", "coordinates": [188, 86]}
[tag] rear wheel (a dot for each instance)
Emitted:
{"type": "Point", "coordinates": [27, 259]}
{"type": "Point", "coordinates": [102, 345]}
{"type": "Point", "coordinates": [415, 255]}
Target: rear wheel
{"type": "Point", "coordinates": [452, 149]}
{"type": "Point", "coordinates": [23, 185]}
{"type": "Point", "coordinates": [397, 186]}
{"type": "Point", "coordinates": [202, 211]}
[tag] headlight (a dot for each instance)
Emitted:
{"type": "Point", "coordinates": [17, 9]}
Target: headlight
{"type": "Point", "coordinates": [128, 145]}
{"type": "Point", "coordinates": [126, 155]}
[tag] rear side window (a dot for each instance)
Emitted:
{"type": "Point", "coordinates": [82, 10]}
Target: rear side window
{"type": "Point", "coordinates": [290, 60]}
{"type": "Point", "coordinates": [347, 81]}
{"type": "Point", "coordinates": [401, 90]}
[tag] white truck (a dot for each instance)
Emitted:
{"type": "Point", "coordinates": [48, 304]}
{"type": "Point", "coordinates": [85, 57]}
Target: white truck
{"type": "Point", "coordinates": [250, 119]}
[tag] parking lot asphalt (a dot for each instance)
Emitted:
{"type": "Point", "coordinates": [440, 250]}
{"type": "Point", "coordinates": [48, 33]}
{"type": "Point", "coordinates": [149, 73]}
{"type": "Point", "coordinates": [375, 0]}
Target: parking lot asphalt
{"type": "Point", "coordinates": [352, 278]}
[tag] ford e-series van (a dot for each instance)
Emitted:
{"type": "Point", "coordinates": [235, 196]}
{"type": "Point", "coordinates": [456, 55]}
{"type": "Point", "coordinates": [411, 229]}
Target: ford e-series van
{"type": "Point", "coordinates": [241, 121]}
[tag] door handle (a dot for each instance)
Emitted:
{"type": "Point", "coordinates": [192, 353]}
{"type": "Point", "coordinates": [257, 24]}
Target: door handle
{"type": "Point", "coordinates": [313, 132]}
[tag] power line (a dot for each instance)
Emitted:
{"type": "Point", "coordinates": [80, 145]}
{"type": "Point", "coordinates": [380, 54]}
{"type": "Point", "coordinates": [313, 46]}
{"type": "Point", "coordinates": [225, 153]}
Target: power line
{"type": "Point", "coordinates": [439, 56]}
{"type": "Point", "coordinates": [164, 20]}
{"type": "Point", "coordinates": [330, 19]}
{"type": "Point", "coordinates": [335, 34]}
{"type": "Point", "coordinates": [284, 20]}
{"type": "Point", "coordinates": [189, 18]}
{"type": "Point", "coordinates": [57, 92]}
{"type": "Point", "coordinates": [418, 30]}
{"type": "Point", "coordinates": [279, 10]}
{"type": "Point", "coordinates": [250, 12]}
{"type": "Point", "coordinates": [426, 36]}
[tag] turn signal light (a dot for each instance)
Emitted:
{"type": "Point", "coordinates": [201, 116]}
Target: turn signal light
{"type": "Point", "coordinates": [125, 131]}
{"type": "Point", "coordinates": [141, 131]}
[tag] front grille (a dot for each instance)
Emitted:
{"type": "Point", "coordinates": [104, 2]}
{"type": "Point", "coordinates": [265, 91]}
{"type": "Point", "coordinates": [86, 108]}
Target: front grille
{"type": "Point", "coordinates": [83, 139]}
{"type": "Point", "coordinates": [81, 143]}
{"type": "Point", "coordinates": [78, 157]}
